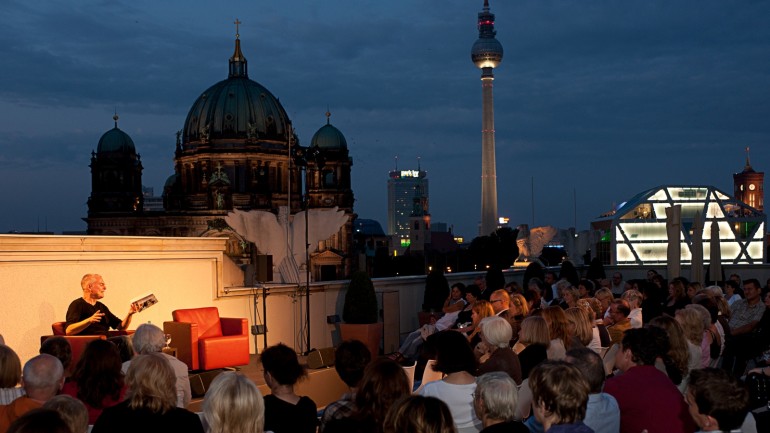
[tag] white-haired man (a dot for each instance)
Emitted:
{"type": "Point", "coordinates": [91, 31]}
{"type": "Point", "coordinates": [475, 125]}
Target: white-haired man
{"type": "Point", "coordinates": [42, 378]}
{"type": "Point", "coordinates": [87, 316]}
{"type": "Point", "coordinates": [495, 402]}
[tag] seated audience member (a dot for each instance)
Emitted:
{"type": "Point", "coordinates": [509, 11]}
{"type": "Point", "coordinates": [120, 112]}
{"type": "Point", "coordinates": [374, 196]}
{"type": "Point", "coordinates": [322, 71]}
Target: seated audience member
{"type": "Point", "coordinates": [520, 310]}
{"type": "Point", "coordinates": [558, 330]}
{"type": "Point", "coordinates": [605, 298]}
{"type": "Point", "coordinates": [494, 402]}
{"type": "Point", "coordinates": [676, 364]}
{"type": "Point", "coordinates": [285, 411]}
{"type": "Point", "coordinates": [732, 292]}
{"type": "Point", "coordinates": [456, 299]}
{"type": "Point", "coordinates": [717, 401]}
{"type": "Point", "coordinates": [59, 347]}
{"type": "Point", "coordinates": [580, 329]}
{"type": "Point", "coordinates": [97, 380]}
{"type": "Point", "coordinates": [454, 358]}
{"type": "Point", "coordinates": [10, 375]}
{"type": "Point", "coordinates": [40, 421]}
{"type": "Point", "coordinates": [707, 338]}
{"type": "Point", "coordinates": [602, 412]}
{"type": "Point", "coordinates": [634, 299]}
{"type": "Point", "coordinates": [593, 309]}
{"type": "Point", "coordinates": [667, 412]}
{"type": "Point", "coordinates": [72, 411]}
{"type": "Point", "coordinates": [233, 404]}
{"type": "Point", "coordinates": [692, 325]}
{"type": "Point", "coordinates": [42, 378]}
{"type": "Point", "coordinates": [87, 316]}
{"type": "Point", "coordinates": [741, 345]}
{"type": "Point", "coordinates": [481, 309]}
{"type": "Point", "coordinates": [677, 297]}
{"type": "Point", "coordinates": [418, 414]}
{"type": "Point", "coordinates": [125, 347]}
{"type": "Point", "coordinates": [559, 397]}
{"type": "Point", "coordinates": [496, 334]}
{"type": "Point", "coordinates": [533, 342]}
{"type": "Point", "coordinates": [150, 404]}
{"type": "Point", "coordinates": [350, 359]}
{"type": "Point", "coordinates": [147, 339]}
{"type": "Point", "coordinates": [384, 383]}
{"type": "Point", "coordinates": [618, 320]}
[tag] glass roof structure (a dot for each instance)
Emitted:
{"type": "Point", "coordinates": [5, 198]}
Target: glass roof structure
{"type": "Point", "coordinates": [637, 234]}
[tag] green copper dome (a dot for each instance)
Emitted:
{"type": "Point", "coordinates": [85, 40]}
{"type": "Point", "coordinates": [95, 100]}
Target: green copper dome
{"type": "Point", "coordinates": [329, 137]}
{"type": "Point", "coordinates": [237, 108]}
{"type": "Point", "coordinates": [116, 141]}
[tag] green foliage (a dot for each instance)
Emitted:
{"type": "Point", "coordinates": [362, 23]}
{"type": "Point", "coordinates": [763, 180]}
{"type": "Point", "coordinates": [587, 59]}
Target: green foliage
{"type": "Point", "coordinates": [360, 300]}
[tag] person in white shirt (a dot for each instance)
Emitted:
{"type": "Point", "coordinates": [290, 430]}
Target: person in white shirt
{"type": "Point", "coordinates": [634, 299]}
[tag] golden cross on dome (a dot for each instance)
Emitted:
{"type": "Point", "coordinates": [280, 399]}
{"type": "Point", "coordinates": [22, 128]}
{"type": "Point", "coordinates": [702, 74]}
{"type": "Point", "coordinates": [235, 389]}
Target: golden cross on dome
{"type": "Point", "coordinates": [237, 23]}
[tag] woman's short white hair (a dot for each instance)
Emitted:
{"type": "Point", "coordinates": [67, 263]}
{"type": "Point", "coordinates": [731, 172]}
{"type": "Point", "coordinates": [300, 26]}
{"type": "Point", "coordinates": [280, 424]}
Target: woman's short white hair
{"type": "Point", "coordinates": [148, 338]}
{"type": "Point", "coordinates": [498, 393]}
{"type": "Point", "coordinates": [233, 404]}
{"type": "Point", "coordinates": [715, 290]}
{"type": "Point", "coordinates": [497, 331]}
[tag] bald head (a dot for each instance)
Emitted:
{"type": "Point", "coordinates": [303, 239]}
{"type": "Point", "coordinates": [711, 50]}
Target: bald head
{"type": "Point", "coordinates": [42, 377]}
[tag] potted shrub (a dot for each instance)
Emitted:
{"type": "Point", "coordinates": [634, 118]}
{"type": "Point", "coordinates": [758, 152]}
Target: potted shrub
{"type": "Point", "coordinates": [360, 313]}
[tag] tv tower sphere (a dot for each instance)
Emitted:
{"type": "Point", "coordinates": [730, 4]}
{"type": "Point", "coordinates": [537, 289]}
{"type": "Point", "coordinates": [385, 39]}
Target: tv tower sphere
{"type": "Point", "coordinates": [487, 52]}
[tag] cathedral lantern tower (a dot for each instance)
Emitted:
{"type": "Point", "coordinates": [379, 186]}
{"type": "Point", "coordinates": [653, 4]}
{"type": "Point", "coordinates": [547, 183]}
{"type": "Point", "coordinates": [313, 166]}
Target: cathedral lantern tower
{"type": "Point", "coordinates": [487, 53]}
{"type": "Point", "coordinates": [116, 176]}
{"type": "Point", "coordinates": [749, 186]}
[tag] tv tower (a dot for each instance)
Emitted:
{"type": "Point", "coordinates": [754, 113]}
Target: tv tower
{"type": "Point", "coordinates": [487, 53]}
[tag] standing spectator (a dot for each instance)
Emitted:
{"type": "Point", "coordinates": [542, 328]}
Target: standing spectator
{"type": "Point", "coordinates": [285, 411]}
{"type": "Point", "coordinates": [233, 404]}
{"type": "Point", "coordinates": [494, 402]}
{"type": "Point", "coordinates": [560, 396]}
{"type": "Point", "coordinates": [42, 379]}
{"type": "Point", "coordinates": [350, 359]}
{"type": "Point", "coordinates": [150, 405]}
{"type": "Point", "coordinates": [667, 412]}
{"type": "Point", "coordinates": [98, 380]}
{"type": "Point", "coordinates": [454, 358]}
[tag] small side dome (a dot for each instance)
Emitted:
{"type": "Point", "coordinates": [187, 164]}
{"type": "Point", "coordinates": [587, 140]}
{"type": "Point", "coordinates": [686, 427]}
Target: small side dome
{"type": "Point", "coordinates": [171, 181]}
{"type": "Point", "coordinates": [116, 141]}
{"type": "Point", "coordinates": [329, 137]}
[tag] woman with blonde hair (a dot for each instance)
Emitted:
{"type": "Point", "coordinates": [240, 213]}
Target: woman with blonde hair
{"type": "Point", "coordinates": [519, 310]}
{"type": "Point", "coordinates": [150, 404]}
{"type": "Point", "coordinates": [558, 330]}
{"type": "Point", "coordinates": [692, 326]}
{"type": "Point", "coordinates": [233, 404]}
{"type": "Point", "coordinates": [580, 329]}
{"type": "Point", "coordinates": [533, 344]}
{"type": "Point", "coordinates": [481, 309]}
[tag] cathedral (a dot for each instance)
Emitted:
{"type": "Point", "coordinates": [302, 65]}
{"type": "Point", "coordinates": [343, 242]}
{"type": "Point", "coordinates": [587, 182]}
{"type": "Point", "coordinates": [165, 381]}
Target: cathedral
{"type": "Point", "coordinates": [237, 150]}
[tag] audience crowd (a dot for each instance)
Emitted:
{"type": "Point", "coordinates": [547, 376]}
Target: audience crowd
{"type": "Point", "coordinates": [555, 354]}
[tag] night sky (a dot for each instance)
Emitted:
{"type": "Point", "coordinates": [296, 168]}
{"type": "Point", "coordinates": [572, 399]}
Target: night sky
{"type": "Point", "coordinates": [604, 98]}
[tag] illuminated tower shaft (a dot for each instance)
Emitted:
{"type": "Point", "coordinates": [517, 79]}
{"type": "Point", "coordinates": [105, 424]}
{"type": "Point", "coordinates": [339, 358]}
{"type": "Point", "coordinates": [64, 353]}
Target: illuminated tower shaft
{"type": "Point", "coordinates": [487, 53]}
{"type": "Point", "coordinates": [488, 164]}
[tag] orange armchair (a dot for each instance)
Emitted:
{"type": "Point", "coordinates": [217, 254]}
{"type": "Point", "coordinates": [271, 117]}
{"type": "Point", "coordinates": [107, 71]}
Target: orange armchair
{"type": "Point", "coordinates": [205, 341]}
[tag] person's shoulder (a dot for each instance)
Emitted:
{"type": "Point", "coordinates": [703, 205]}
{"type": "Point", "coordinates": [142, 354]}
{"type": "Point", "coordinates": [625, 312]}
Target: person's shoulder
{"type": "Point", "coordinates": [306, 401]}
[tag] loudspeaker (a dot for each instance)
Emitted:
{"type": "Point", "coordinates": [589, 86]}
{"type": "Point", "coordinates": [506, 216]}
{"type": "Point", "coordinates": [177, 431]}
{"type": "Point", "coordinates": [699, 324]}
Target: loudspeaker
{"type": "Point", "coordinates": [200, 382]}
{"type": "Point", "coordinates": [323, 358]}
{"type": "Point", "coordinates": [263, 268]}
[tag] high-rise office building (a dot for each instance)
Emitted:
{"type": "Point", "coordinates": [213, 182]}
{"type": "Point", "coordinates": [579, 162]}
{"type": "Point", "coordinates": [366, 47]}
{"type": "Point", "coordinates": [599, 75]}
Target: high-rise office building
{"type": "Point", "coordinates": [486, 54]}
{"type": "Point", "coordinates": [407, 195]}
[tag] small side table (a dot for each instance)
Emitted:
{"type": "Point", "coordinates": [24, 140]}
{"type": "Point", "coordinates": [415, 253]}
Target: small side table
{"type": "Point", "coordinates": [169, 351]}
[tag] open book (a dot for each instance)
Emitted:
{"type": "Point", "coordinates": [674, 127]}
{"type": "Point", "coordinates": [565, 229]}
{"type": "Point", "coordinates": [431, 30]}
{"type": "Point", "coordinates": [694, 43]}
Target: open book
{"type": "Point", "coordinates": [144, 302]}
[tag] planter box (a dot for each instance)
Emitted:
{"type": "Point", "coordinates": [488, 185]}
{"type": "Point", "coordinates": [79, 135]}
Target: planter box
{"type": "Point", "coordinates": [369, 334]}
